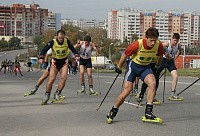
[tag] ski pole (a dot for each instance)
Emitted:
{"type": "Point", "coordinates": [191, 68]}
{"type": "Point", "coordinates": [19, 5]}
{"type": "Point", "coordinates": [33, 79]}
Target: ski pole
{"type": "Point", "coordinates": [98, 73]}
{"type": "Point", "coordinates": [164, 86]}
{"type": "Point", "coordinates": [38, 71]}
{"type": "Point", "coordinates": [123, 82]}
{"type": "Point", "coordinates": [161, 75]}
{"type": "Point", "coordinates": [188, 86]}
{"type": "Point", "coordinates": [107, 92]}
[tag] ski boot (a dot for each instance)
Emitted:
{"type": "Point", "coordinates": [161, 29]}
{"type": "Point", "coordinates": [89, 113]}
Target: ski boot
{"type": "Point", "coordinates": [111, 115]}
{"type": "Point", "coordinates": [174, 97]}
{"type": "Point", "coordinates": [155, 101]}
{"type": "Point", "coordinates": [45, 99]}
{"type": "Point", "coordinates": [82, 91]}
{"type": "Point", "coordinates": [92, 92]}
{"type": "Point", "coordinates": [33, 91]}
{"type": "Point", "coordinates": [62, 96]}
{"type": "Point", "coordinates": [57, 97]}
{"type": "Point", "coordinates": [149, 116]}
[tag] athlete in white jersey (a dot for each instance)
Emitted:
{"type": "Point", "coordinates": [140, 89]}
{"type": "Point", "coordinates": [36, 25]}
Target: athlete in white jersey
{"type": "Point", "coordinates": [46, 66]}
{"type": "Point", "coordinates": [86, 48]}
{"type": "Point", "coordinates": [172, 50]}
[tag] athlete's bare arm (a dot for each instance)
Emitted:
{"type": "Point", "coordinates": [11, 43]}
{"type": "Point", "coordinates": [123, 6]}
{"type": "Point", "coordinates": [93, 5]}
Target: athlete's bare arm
{"type": "Point", "coordinates": [179, 51]}
{"type": "Point", "coordinates": [122, 60]}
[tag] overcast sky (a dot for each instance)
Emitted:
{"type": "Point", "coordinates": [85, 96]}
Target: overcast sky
{"type": "Point", "coordinates": [98, 9]}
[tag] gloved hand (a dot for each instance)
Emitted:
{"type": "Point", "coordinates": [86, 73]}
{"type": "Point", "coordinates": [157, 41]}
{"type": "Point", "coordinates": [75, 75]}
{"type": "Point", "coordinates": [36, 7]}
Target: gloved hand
{"type": "Point", "coordinates": [118, 70]}
{"type": "Point", "coordinates": [45, 64]}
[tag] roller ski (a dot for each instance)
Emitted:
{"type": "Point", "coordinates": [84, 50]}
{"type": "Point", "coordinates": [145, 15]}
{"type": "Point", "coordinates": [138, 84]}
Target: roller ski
{"type": "Point", "coordinates": [33, 91]}
{"type": "Point", "coordinates": [149, 116]}
{"type": "Point", "coordinates": [57, 98]}
{"type": "Point", "coordinates": [62, 96]}
{"type": "Point", "coordinates": [156, 120]}
{"type": "Point", "coordinates": [174, 97]}
{"type": "Point", "coordinates": [156, 102]}
{"type": "Point", "coordinates": [92, 92]}
{"type": "Point", "coordinates": [82, 91]}
{"type": "Point", "coordinates": [45, 99]}
{"type": "Point", "coordinates": [111, 115]}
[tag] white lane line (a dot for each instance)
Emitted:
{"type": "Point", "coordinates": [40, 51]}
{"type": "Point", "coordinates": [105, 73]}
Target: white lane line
{"type": "Point", "coordinates": [180, 83]}
{"type": "Point", "coordinates": [55, 85]}
{"type": "Point", "coordinates": [109, 82]}
{"type": "Point", "coordinates": [197, 93]}
{"type": "Point", "coordinates": [10, 81]}
{"type": "Point", "coordinates": [132, 104]}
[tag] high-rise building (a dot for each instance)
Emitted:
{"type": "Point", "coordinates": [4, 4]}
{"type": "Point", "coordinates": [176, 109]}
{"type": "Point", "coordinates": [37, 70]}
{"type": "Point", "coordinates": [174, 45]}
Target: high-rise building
{"type": "Point", "coordinates": [124, 22]}
{"type": "Point", "coordinates": [54, 21]}
{"type": "Point", "coordinates": [23, 21]}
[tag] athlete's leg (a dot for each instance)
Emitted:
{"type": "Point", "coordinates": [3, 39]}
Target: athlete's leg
{"type": "Point", "coordinates": [42, 78]}
{"type": "Point", "coordinates": [128, 86]}
{"type": "Point", "coordinates": [174, 80]}
{"type": "Point", "coordinates": [15, 70]}
{"type": "Point", "coordinates": [52, 78]}
{"type": "Point", "coordinates": [82, 73]}
{"type": "Point", "coordinates": [63, 77]}
{"type": "Point", "coordinates": [151, 83]}
{"type": "Point", "coordinates": [20, 71]}
{"type": "Point", "coordinates": [89, 73]}
{"type": "Point", "coordinates": [136, 86]}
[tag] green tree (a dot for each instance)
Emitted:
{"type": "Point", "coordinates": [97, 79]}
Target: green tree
{"type": "Point", "coordinates": [14, 42]}
{"type": "Point", "coordinates": [38, 39]}
{"type": "Point", "coordinates": [3, 43]}
{"type": "Point", "coordinates": [47, 37]}
{"type": "Point", "coordinates": [134, 38]}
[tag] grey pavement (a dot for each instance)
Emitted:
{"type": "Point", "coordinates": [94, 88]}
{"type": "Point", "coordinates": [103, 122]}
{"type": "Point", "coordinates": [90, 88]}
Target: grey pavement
{"type": "Point", "coordinates": [77, 115]}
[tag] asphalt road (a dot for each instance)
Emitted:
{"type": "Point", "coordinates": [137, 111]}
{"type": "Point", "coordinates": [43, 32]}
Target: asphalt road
{"type": "Point", "coordinates": [77, 115]}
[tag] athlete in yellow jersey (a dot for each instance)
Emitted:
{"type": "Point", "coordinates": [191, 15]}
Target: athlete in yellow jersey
{"type": "Point", "coordinates": [60, 50]}
{"type": "Point", "coordinates": [142, 52]}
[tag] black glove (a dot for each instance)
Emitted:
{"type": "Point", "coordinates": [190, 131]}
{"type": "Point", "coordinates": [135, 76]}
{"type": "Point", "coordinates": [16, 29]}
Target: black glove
{"type": "Point", "coordinates": [45, 64]}
{"type": "Point", "coordinates": [118, 70]}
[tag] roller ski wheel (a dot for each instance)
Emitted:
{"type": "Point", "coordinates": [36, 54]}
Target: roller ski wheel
{"type": "Point", "coordinates": [43, 103]}
{"type": "Point", "coordinates": [156, 120]}
{"type": "Point", "coordinates": [56, 101]}
{"type": "Point", "coordinates": [109, 120]}
{"type": "Point", "coordinates": [175, 99]}
{"type": "Point", "coordinates": [157, 102]}
{"type": "Point", "coordinates": [27, 94]}
{"type": "Point", "coordinates": [62, 97]}
{"type": "Point", "coordinates": [81, 92]}
{"type": "Point", "coordinates": [111, 115]}
{"type": "Point", "coordinates": [94, 93]}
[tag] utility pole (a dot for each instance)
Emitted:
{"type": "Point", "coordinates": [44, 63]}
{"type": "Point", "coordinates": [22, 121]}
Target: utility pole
{"type": "Point", "coordinates": [110, 51]}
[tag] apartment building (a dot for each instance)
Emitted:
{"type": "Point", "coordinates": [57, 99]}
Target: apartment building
{"type": "Point", "coordinates": [26, 21]}
{"type": "Point", "coordinates": [54, 21]}
{"type": "Point", "coordinates": [84, 24]}
{"type": "Point", "coordinates": [124, 22]}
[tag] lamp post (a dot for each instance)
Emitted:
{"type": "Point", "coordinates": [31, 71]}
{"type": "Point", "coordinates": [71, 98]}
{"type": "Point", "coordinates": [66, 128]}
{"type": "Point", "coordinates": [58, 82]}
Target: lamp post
{"type": "Point", "coordinates": [110, 51]}
{"type": "Point", "coordinates": [184, 55]}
